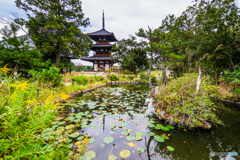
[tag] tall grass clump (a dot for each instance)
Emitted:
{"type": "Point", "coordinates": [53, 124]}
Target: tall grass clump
{"type": "Point", "coordinates": [178, 102]}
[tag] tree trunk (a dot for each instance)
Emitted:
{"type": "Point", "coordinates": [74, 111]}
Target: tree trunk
{"type": "Point", "coordinates": [199, 79]}
{"type": "Point", "coordinates": [57, 58]}
{"type": "Point", "coordinates": [149, 76]}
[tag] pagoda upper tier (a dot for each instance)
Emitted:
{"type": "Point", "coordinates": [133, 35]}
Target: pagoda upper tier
{"type": "Point", "coordinates": [102, 36]}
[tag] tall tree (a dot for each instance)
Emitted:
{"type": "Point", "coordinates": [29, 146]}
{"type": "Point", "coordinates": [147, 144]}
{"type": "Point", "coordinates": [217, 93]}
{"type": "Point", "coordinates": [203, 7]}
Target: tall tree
{"type": "Point", "coordinates": [132, 54]}
{"type": "Point", "coordinates": [54, 26]}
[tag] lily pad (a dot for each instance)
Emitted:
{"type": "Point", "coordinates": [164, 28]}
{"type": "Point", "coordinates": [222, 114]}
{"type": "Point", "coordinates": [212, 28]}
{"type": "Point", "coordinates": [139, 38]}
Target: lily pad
{"type": "Point", "coordinates": [108, 140]}
{"type": "Point", "coordinates": [151, 134]}
{"type": "Point", "coordinates": [130, 138]}
{"type": "Point", "coordinates": [165, 128]}
{"type": "Point", "coordinates": [139, 133]}
{"type": "Point", "coordinates": [125, 153]}
{"type": "Point", "coordinates": [91, 140]}
{"type": "Point", "coordinates": [71, 126]}
{"type": "Point", "coordinates": [138, 138]}
{"type": "Point", "coordinates": [74, 135]}
{"type": "Point", "coordinates": [140, 149]}
{"type": "Point", "coordinates": [170, 127]}
{"type": "Point", "coordinates": [159, 138]}
{"type": "Point", "coordinates": [92, 126]}
{"type": "Point", "coordinates": [80, 138]}
{"type": "Point", "coordinates": [151, 125]}
{"type": "Point", "coordinates": [170, 148]}
{"type": "Point", "coordinates": [89, 155]}
{"type": "Point", "coordinates": [151, 121]}
{"type": "Point", "coordinates": [112, 157]}
{"type": "Point", "coordinates": [125, 132]}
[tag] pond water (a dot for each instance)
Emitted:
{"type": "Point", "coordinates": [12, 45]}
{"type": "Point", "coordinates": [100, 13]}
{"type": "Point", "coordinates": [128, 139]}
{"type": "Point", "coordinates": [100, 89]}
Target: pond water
{"type": "Point", "coordinates": [120, 119]}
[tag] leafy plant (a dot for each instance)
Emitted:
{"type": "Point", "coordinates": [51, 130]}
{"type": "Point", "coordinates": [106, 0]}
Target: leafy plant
{"type": "Point", "coordinates": [113, 77]}
{"type": "Point", "coordinates": [82, 80]}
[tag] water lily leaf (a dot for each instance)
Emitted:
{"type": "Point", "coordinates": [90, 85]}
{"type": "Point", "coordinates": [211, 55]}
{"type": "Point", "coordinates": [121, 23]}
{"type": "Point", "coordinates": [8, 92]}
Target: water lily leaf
{"type": "Point", "coordinates": [71, 118]}
{"type": "Point", "coordinates": [125, 153]}
{"type": "Point", "coordinates": [159, 138]}
{"type": "Point", "coordinates": [138, 137]}
{"type": "Point", "coordinates": [59, 118]}
{"type": "Point", "coordinates": [80, 138]}
{"type": "Point", "coordinates": [91, 140]}
{"type": "Point", "coordinates": [71, 126]}
{"type": "Point", "coordinates": [74, 135]}
{"type": "Point", "coordinates": [131, 144]}
{"type": "Point", "coordinates": [158, 127]}
{"type": "Point", "coordinates": [170, 127]}
{"type": "Point", "coordinates": [54, 122]}
{"type": "Point", "coordinates": [140, 149]}
{"type": "Point", "coordinates": [84, 126]}
{"type": "Point", "coordinates": [170, 148]}
{"type": "Point", "coordinates": [165, 128]}
{"type": "Point", "coordinates": [111, 132]}
{"type": "Point", "coordinates": [92, 126]}
{"type": "Point", "coordinates": [139, 133]}
{"type": "Point", "coordinates": [62, 122]}
{"type": "Point", "coordinates": [108, 140]}
{"type": "Point", "coordinates": [164, 136]}
{"type": "Point", "coordinates": [89, 155]}
{"type": "Point", "coordinates": [130, 138]}
{"type": "Point", "coordinates": [125, 132]}
{"type": "Point", "coordinates": [151, 125]}
{"type": "Point", "coordinates": [151, 134]}
{"type": "Point", "coordinates": [112, 157]}
{"type": "Point", "coordinates": [151, 121]}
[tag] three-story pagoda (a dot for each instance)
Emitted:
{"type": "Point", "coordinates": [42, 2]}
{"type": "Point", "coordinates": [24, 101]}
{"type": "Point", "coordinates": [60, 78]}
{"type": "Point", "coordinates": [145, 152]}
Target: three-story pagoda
{"type": "Point", "coordinates": [102, 57]}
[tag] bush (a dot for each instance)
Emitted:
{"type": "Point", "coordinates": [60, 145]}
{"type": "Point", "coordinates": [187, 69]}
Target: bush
{"type": "Point", "coordinates": [180, 101]}
{"type": "Point", "coordinates": [113, 77]}
{"type": "Point", "coordinates": [123, 76]}
{"type": "Point", "coordinates": [131, 77]}
{"type": "Point", "coordinates": [153, 79]}
{"type": "Point", "coordinates": [99, 78]}
{"type": "Point", "coordinates": [80, 79]}
{"type": "Point", "coordinates": [49, 76]}
{"type": "Point", "coordinates": [91, 79]}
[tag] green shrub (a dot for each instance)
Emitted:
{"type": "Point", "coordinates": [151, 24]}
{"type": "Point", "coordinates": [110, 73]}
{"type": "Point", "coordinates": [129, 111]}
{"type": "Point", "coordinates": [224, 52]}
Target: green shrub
{"type": "Point", "coordinates": [131, 77]}
{"type": "Point", "coordinates": [80, 79]}
{"type": "Point", "coordinates": [113, 77]}
{"type": "Point", "coordinates": [153, 79]}
{"type": "Point", "coordinates": [180, 101]}
{"type": "Point", "coordinates": [143, 76]}
{"type": "Point", "coordinates": [99, 78]}
{"type": "Point", "coordinates": [123, 76]}
{"type": "Point", "coordinates": [91, 79]}
{"type": "Point", "coordinates": [49, 76]}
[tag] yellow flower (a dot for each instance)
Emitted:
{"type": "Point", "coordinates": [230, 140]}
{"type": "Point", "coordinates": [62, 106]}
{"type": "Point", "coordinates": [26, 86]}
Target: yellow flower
{"type": "Point", "coordinates": [20, 85]}
{"type": "Point", "coordinates": [30, 102]}
{"type": "Point", "coordinates": [64, 96]}
{"type": "Point", "coordinates": [5, 70]}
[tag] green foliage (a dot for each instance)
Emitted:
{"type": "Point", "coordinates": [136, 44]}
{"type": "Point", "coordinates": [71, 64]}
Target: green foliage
{"type": "Point", "coordinates": [113, 77]}
{"type": "Point", "coordinates": [130, 77]}
{"type": "Point", "coordinates": [180, 101]}
{"type": "Point", "coordinates": [99, 78]}
{"type": "Point", "coordinates": [16, 51]}
{"type": "Point", "coordinates": [80, 79]}
{"type": "Point", "coordinates": [133, 55]}
{"type": "Point", "coordinates": [54, 27]}
{"type": "Point", "coordinates": [153, 78]}
{"type": "Point", "coordinates": [49, 76]}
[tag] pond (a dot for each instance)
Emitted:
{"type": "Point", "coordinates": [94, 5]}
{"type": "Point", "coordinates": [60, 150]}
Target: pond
{"type": "Point", "coordinates": [119, 121]}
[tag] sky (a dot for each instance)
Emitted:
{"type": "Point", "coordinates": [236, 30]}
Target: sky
{"type": "Point", "coordinates": [122, 17]}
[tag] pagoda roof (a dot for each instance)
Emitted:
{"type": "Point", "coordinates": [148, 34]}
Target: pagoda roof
{"type": "Point", "coordinates": [103, 33]}
{"type": "Point", "coordinates": [101, 45]}
{"type": "Point", "coordinates": [93, 58]}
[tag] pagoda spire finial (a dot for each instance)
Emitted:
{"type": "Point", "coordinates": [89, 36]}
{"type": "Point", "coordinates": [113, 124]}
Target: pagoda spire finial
{"type": "Point", "coordinates": [103, 21]}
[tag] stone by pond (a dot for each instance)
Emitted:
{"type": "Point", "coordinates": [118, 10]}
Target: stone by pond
{"type": "Point", "coordinates": [119, 122]}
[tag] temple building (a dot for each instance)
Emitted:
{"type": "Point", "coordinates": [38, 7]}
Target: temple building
{"type": "Point", "coordinates": [102, 57]}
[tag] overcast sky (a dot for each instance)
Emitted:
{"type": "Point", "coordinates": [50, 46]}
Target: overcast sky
{"type": "Point", "coordinates": [123, 17]}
